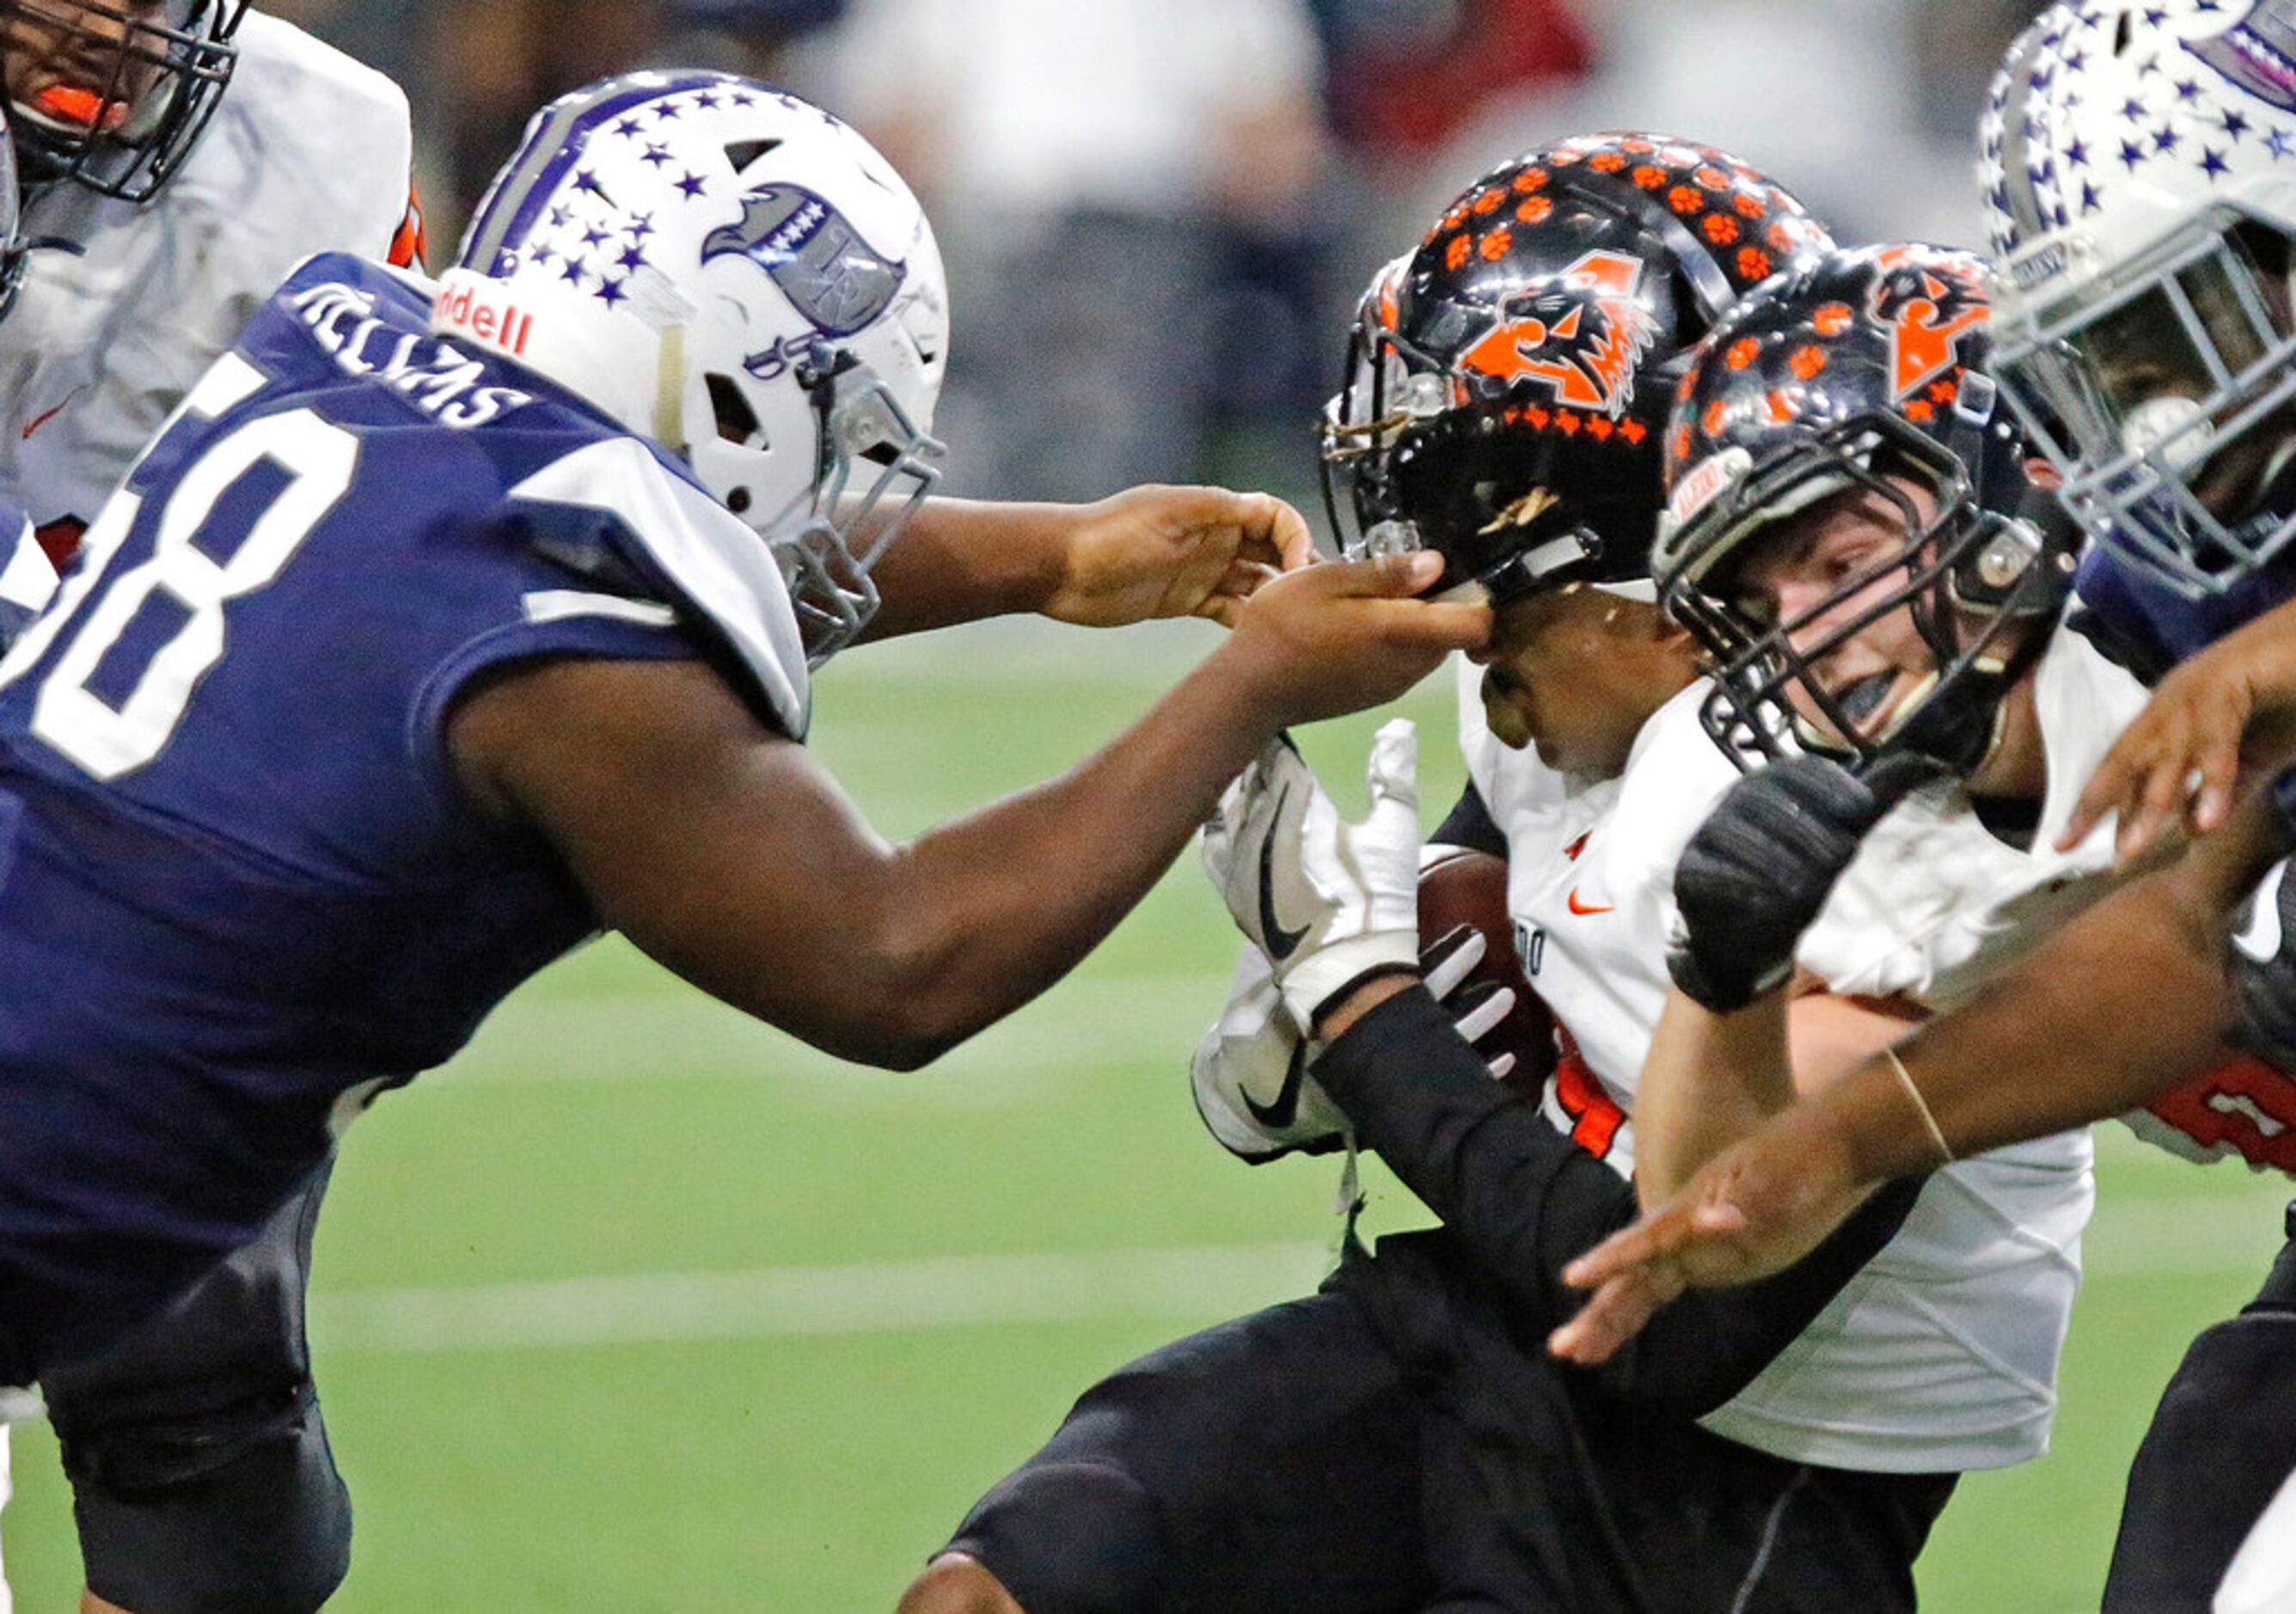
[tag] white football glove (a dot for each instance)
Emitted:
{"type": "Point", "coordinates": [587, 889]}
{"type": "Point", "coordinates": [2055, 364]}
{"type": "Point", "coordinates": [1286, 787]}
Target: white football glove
{"type": "Point", "coordinates": [1250, 1075]}
{"type": "Point", "coordinates": [1326, 901]}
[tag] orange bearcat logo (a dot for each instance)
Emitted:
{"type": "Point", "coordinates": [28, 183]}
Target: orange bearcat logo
{"type": "Point", "coordinates": [1927, 305]}
{"type": "Point", "coordinates": [1582, 333]}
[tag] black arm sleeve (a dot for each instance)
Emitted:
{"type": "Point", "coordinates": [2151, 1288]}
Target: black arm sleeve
{"type": "Point", "coordinates": [1526, 1200]}
{"type": "Point", "coordinates": [1471, 827]}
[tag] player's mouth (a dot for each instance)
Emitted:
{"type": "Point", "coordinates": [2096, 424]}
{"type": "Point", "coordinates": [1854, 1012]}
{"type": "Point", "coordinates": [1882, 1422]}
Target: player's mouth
{"type": "Point", "coordinates": [1861, 699]}
{"type": "Point", "coordinates": [68, 108]}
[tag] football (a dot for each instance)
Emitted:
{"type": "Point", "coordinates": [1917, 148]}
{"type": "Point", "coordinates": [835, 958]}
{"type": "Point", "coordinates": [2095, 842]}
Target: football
{"type": "Point", "coordinates": [1465, 887]}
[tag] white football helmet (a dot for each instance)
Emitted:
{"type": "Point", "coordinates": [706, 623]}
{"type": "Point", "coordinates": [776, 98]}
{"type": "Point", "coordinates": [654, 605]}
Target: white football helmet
{"type": "Point", "coordinates": [734, 273]}
{"type": "Point", "coordinates": [2140, 177]}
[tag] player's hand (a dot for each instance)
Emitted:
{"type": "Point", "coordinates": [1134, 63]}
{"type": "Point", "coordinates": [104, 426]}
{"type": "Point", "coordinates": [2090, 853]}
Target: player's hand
{"type": "Point", "coordinates": [2175, 767]}
{"type": "Point", "coordinates": [1477, 1011]}
{"type": "Point", "coordinates": [1757, 870]}
{"type": "Point", "coordinates": [1250, 1075]}
{"type": "Point", "coordinates": [1347, 634]}
{"type": "Point", "coordinates": [1752, 1210]}
{"type": "Point", "coordinates": [1176, 552]}
{"type": "Point", "coordinates": [1328, 902]}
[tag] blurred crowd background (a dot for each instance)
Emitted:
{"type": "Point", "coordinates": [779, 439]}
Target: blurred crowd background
{"type": "Point", "coordinates": [1156, 214]}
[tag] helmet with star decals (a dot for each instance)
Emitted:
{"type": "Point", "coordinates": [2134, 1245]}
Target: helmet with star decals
{"type": "Point", "coordinates": [2140, 187]}
{"type": "Point", "coordinates": [735, 274]}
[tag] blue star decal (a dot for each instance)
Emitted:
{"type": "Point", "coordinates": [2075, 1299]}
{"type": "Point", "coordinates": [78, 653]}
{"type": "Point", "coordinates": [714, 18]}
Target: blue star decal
{"type": "Point", "coordinates": [2076, 154]}
{"type": "Point", "coordinates": [573, 272]}
{"type": "Point", "coordinates": [2089, 203]}
{"type": "Point", "coordinates": [743, 98]}
{"type": "Point", "coordinates": [610, 292]}
{"type": "Point", "coordinates": [632, 256]}
{"type": "Point", "coordinates": [2235, 125]}
{"type": "Point", "coordinates": [593, 237]}
{"type": "Point", "coordinates": [693, 184]}
{"type": "Point", "coordinates": [2075, 61]}
{"type": "Point", "coordinates": [560, 215]}
{"type": "Point", "coordinates": [588, 181]}
{"type": "Point", "coordinates": [2280, 144]}
{"type": "Point", "coordinates": [2212, 163]}
{"type": "Point", "coordinates": [542, 255]}
{"type": "Point", "coordinates": [2132, 109]}
{"type": "Point", "coordinates": [640, 226]}
{"type": "Point", "coordinates": [2132, 154]}
{"type": "Point", "coordinates": [706, 100]}
{"type": "Point", "coordinates": [2187, 89]}
{"type": "Point", "coordinates": [2165, 138]}
{"type": "Point", "coordinates": [2204, 5]}
{"type": "Point", "coordinates": [2150, 65]}
{"type": "Point", "coordinates": [664, 110]}
{"type": "Point", "coordinates": [627, 125]}
{"type": "Point", "coordinates": [2154, 16]}
{"type": "Point", "coordinates": [655, 155]}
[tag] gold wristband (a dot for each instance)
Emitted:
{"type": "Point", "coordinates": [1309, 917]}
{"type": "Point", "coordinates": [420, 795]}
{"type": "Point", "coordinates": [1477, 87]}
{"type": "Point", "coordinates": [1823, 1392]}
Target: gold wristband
{"type": "Point", "coordinates": [1936, 1133]}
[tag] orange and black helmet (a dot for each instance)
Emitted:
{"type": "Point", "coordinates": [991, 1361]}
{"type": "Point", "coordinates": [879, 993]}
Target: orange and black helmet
{"type": "Point", "coordinates": [1860, 376]}
{"type": "Point", "coordinates": [1507, 380]}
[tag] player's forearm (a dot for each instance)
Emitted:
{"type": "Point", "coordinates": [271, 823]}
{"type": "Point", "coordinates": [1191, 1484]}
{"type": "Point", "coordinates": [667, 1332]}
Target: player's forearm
{"type": "Point", "coordinates": [2131, 998]}
{"type": "Point", "coordinates": [984, 913]}
{"type": "Point", "coordinates": [1708, 1081]}
{"type": "Point", "coordinates": [965, 560]}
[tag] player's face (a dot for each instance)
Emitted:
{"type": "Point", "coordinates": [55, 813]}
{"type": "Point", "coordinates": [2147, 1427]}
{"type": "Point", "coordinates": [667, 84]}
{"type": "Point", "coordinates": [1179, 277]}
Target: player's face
{"type": "Point", "coordinates": [70, 66]}
{"type": "Point", "coordinates": [1577, 672]}
{"type": "Point", "coordinates": [1823, 572]}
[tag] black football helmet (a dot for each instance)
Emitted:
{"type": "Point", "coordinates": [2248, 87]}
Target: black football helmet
{"type": "Point", "coordinates": [1864, 372]}
{"type": "Point", "coordinates": [115, 92]}
{"type": "Point", "coordinates": [1506, 382]}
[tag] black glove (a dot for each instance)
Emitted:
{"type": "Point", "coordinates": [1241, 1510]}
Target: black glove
{"type": "Point", "coordinates": [1760, 867]}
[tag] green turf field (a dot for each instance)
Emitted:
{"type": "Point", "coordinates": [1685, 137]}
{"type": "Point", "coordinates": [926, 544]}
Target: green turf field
{"type": "Point", "coordinates": [638, 1306]}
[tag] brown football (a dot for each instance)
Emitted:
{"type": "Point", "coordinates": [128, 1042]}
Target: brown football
{"type": "Point", "coordinates": [1465, 888]}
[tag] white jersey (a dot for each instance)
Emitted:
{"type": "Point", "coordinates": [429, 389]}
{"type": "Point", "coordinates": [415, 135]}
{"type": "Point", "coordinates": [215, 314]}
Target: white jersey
{"type": "Point", "coordinates": [1941, 1355]}
{"type": "Point", "coordinates": [308, 152]}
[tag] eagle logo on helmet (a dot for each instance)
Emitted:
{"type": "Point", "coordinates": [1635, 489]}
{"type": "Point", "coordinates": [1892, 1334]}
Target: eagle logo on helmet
{"type": "Point", "coordinates": [833, 277]}
{"type": "Point", "coordinates": [2257, 54]}
{"type": "Point", "coordinates": [1926, 304]}
{"type": "Point", "coordinates": [1582, 334]}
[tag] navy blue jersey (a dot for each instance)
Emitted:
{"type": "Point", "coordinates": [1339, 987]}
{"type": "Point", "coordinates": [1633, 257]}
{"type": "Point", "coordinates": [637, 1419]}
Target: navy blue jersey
{"type": "Point", "coordinates": [239, 883]}
{"type": "Point", "coordinates": [2150, 626]}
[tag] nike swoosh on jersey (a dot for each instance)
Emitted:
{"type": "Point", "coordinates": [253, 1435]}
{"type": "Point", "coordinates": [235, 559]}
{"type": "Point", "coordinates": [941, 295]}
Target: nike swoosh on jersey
{"type": "Point", "coordinates": [1584, 909]}
{"type": "Point", "coordinates": [1285, 1109]}
{"type": "Point", "coordinates": [41, 420]}
{"type": "Point", "coordinates": [1281, 943]}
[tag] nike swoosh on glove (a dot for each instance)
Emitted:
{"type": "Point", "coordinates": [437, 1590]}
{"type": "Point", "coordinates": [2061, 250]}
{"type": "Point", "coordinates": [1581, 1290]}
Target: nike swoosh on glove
{"type": "Point", "coordinates": [1250, 1075]}
{"type": "Point", "coordinates": [1329, 903]}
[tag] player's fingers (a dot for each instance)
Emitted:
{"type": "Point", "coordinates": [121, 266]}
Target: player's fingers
{"type": "Point", "coordinates": [2160, 796]}
{"type": "Point", "coordinates": [1383, 577]}
{"type": "Point", "coordinates": [1392, 776]}
{"type": "Point", "coordinates": [1450, 958]}
{"type": "Point", "coordinates": [1434, 628]}
{"type": "Point", "coordinates": [1614, 1314]}
{"type": "Point", "coordinates": [1495, 1004]}
{"type": "Point", "coordinates": [2099, 798]}
{"type": "Point", "coordinates": [2219, 769]}
{"type": "Point", "coordinates": [1278, 535]}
